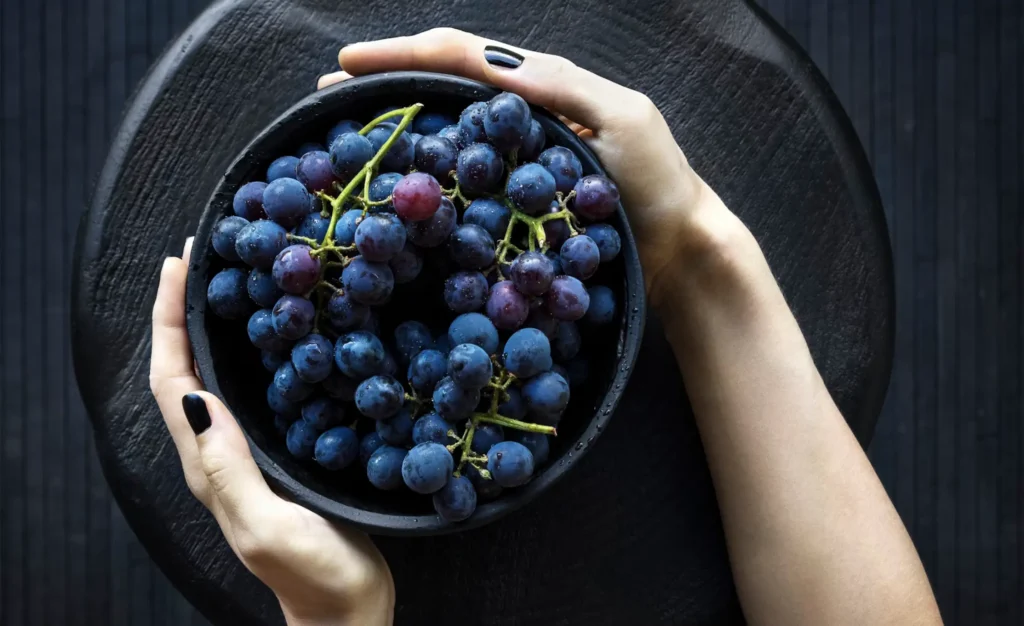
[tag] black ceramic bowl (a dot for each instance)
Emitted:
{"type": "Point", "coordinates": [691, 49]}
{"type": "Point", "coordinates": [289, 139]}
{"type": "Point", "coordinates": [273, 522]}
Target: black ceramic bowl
{"type": "Point", "coordinates": [230, 366]}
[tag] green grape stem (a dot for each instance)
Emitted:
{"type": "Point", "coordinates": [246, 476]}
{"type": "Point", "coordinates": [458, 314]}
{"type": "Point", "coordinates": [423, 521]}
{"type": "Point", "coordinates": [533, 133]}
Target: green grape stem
{"type": "Point", "coordinates": [536, 237]}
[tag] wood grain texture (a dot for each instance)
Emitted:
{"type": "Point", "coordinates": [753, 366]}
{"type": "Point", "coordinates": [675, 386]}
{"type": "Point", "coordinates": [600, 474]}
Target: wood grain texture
{"type": "Point", "coordinates": [68, 66]}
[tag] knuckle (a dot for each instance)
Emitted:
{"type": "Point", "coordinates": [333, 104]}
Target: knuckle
{"type": "Point", "coordinates": [254, 547]}
{"type": "Point", "coordinates": [642, 110]}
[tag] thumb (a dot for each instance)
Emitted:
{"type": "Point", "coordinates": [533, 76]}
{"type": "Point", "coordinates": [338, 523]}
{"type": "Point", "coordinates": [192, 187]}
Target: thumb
{"type": "Point", "coordinates": [235, 480]}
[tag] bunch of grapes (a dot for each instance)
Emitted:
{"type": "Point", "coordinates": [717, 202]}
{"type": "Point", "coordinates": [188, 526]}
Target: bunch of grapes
{"type": "Point", "coordinates": [462, 410]}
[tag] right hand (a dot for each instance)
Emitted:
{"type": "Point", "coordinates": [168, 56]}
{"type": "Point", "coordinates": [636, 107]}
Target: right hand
{"type": "Point", "coordinates": [661, 192]}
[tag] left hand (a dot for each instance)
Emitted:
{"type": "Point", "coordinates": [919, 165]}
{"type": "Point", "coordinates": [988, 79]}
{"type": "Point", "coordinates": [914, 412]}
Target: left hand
{"type": "Point", "coordinates": [321, 573]}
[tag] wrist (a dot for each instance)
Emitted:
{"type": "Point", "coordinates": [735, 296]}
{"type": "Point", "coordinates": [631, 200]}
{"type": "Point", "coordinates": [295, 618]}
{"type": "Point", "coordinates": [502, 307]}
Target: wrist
{"type": "Point", "coordinates": [373, 607]}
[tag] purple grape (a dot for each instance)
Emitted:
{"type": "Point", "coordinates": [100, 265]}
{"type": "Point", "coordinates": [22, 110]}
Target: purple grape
{"type": "Point", "coordinates": [434, 231]}
{"type": "Point", "coordinates": [296, 270]}
{"type": "Point", "coordinates": [465, 291]}
{"type": "Point", "coordinates": [556, 260]}
{"type": "Point", "coordinates": [379, 397]}
{"type": "Point", "coordinates": [344, 313]}
{"type": "Point", "coordinates": [542, 320]}
{"type": "Point", "coordinates": [566, 342]}
{"type": "Point", "coordinates": [315, 171]}
{"type": "Point", "coordinates": [225, 232]}
{"type": "Point", "coordinates": [510, 463]}
{"type": "Point", "coordinates": [400, 157]}
{"type": "Point", "coordinates": [322, 413]}
{"type": "Point", "coordinates": [563, 165]}
{"type": "Point", "coordinates": [259, 243]}
{"type": "Point", "coordinates": [556, 231]}
{"type": "Point", "coordinates": [337, 448]}
{"type": "Point", "coordinates": [411, 337]}
{"type": "Point", "coordinates": [367, 282]}
{"type": "Point", "coordinates": [527, 353]}
{"type": "Point", "coordinates": [416, 197]}
{"type": "Point", "coordinates": [227, 294]}
{"type": "Point", "coordinates": [293, 317]}
{"type": "Point", "coordinates": [262, 333]}
{"type": "Point", "coordinates": [471, 125]}
{"type": "Point", "coordinates": [533, 143]}
{"type": "Point", "coordinates": [489, 214]}
{"type": "Point", "coordinates": [381, 236]}
{"type": "Point", "coordinates": [506, 307]}
{"type": "Point", "coordinates": [359, 355]}
{"type": "Point", "coordinates": [471, 247]}
{"type": "Point", "coordinates": [287, 201]}
{"type": "Point", "coordinates": [507, 121]}
{"type": "Point", "coordinates": [349, 153]}
{"type": "Point", "coordinates": [479, 169]}
{"type": "Point", "coordinates": [602, 306]}
{"type": "Point", "coordinates": [580, 257]}
{"type": "Point", "coordinates": [431, 123]}
{"type": "Point", "coordinates": [532, 273]}
{"type": "Point", "coordinates": [546, 396]}
{"type": "Point", "coordinates": [339, 129]}
{"type": "Point", "coordinates": [407, 264]}
{"type": "Point", "coordinates": [596, 199]}
{"type": "Point", "coordinates": [531, 188]}
{"type": "Point", "coordinates": [289, 385]}
{"type": "Point", "coordinates": [567, 299]}
{"type": "Point", "coordinates": [314, 226]}
{"type": "Point", "coordinates": [608, 241]}
{"type": "Point", "coordinates": [282, 167]}
{"type": "Point", "coordinates": [248, 201]}
{"type": "Point", "coordinates": [313, 357]}
{"type": "Point", "coordinates": [437, 156]}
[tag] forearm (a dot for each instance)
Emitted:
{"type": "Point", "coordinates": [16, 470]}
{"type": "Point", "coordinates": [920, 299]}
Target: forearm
{"type": "Point", "coordinates": [812, 535]}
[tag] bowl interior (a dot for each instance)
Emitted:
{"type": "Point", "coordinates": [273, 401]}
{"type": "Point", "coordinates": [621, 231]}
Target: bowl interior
{"type": "Point", "coordinates": [231, 367]}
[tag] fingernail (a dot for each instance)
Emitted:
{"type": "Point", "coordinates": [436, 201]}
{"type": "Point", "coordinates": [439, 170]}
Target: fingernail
{"type": "Point", "coordinates": [196, 413]}
{"type": "Point", "coordinates": [502, 58]}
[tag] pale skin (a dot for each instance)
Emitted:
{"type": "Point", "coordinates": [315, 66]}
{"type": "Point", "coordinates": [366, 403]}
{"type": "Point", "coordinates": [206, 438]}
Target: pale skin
{"type": "Point", "coordinates": [812, 536]}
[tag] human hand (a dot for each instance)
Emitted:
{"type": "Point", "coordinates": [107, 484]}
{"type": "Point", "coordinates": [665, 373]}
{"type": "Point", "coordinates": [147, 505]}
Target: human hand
{"type": "Point", "coordinates": [321, 573]}
{"type": "Point", "coordinates": [670, 208]}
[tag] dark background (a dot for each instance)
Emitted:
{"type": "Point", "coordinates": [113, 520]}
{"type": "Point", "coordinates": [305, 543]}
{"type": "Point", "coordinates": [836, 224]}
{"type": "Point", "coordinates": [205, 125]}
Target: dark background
{"type": "Point", "coordinates": [935, 89]}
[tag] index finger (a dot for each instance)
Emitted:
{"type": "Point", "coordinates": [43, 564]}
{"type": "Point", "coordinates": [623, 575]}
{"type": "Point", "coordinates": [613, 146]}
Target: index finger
{"type": "Point", "coordinates": [171, 356]}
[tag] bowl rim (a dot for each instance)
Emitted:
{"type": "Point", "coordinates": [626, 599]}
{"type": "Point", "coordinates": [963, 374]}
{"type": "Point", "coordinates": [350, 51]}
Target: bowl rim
{"type": "Point", "coordinates": [328, 101]}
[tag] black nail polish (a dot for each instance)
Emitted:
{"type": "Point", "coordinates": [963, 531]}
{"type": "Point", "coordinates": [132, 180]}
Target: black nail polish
{"type": "Point", "coordinates": [196, 413]}
{"type": "Point", "coordinates": [502, 57]}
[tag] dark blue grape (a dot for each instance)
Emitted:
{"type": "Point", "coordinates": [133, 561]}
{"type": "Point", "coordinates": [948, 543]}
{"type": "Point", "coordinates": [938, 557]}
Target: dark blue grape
{"type": "Point", "coordinates": [442, 344]}
{"type": "Point", "coordinates": [339, 386]}
{"type": "Point", "coordinates": [381, 188]}
{"type": "Point", "coordinates": [411, 337]}
{"type": "Point", "coordinates": [296, 270]}
{"type": "Point", "coordinates": [349, 153]}
{"type": "Point", "coordinates": [427, 467]}
{"type": "Point", "coordinates": [527, 353]}
{"type": "Point", "coordinates": [469, 366]}
{"type": "Point", "coordinates": [322, 413]}
{"type": "Point", "coordinates": [451, 133]}
{"type": "Point", "coordinates": [282, 424]}
{"type": "Point", "coordinates": [438, 157]}
{"type": "Point", "coordinates": [507, 121]}
{"type": "Point", "coordinates": [262, 334]}
{"type": "Point", "coordinates": [533, 143]}
{"type": "Point", "coordinates": [259, 243]}
{"type": "Point", "coordinates": [566, 342]}
{"type": "Point", "coordinates": [345, 229]}
{"type": "Point", "coordinates": [368, 282]}
{"type": "Point", "coordinates": [390, 366]}
{"type": "Point", "coordinates": [471, 125]}
{"type": "Point", "coordinates": [301, 439]}
{"type": "Point", "coordinates": [289, 385]}
{"type": "Point", "coordinates": [306, 148]}
{"type": "Point", "coordinates": [555, 260]}
{"type": "Point", "coordinates": [563, 165]}
{"type": "Point", "coordinates": [431, 123]}
{"type": "Point", "coordinates": [407, 264]}
{"type": "Point", "coordinates": [224, 234]}
{"type": "Point", "coordinates": [546, 397]}
{"type": "Point", "coordinates": [415, 139]}
{"type": "Point", "coordinates": [397, 429]}
{"type": "Point", "coordinates": [370, 443]}
{"type": "Point", "coordinates": [474, 328]}
{"type": "Point", "coordinates": [273, 359]}
{"type": "Point", "coordinates": [538, 444]}
{"type": "Point", "coordinates": [540, 319]}
{"type": "Point", "coordinates": [435, 230]}
{"type": "Point", "coordinates": [282, 167]}
{"type": "Point", "coordinates": [384, 469]}
{"type": "Point", "coordinates": [314, 226]}
{"type": "Point", "coordinates": [426, 369]}
{"type": "Point", "coordinates": [510, 463]}
{"type": "Point", "coordinates": [486, 435]}
{"type": "Point", "coordinates": [380, 236]}
{"type": "Point", "coordinates": [531, 273]}
{"type": "Point", "coordinates": [287, 201]}
{"type": "Point", "coordinates": [602, 306]}
{"type": "Point", "coordinates": [561, 371]}
{"type": "Point", "coordinates": [454, 403]}
{"type": "Point", "coordinates": [580, 257]}
{"type": "Point", "coordinates": [506, 307]}
{"type": "Point", "coordinates": [379, 397]}
{"type": "Point", "coordinates": [456, 501]}
{"type": "Point", "coordinates": [248, 201]}
{"type": "Point", "coordinates": [514, 406]}
{"type": "Point", "coordinates": [567, 299]}
{"type": "Point", "coordinates": [359, 355]}
{"type": "Point", "coordinates": [344, 313]}
{"type": "Point", "coordinates": [316, 172]}
{"type": "Point", "coordinates": [280, 405]}
{"type": "Point", "coordinates": [489, 214]}
{"type": "Point", "coordinates": [471, 247]}
{"type": "Point", "coordinates": [227, 294]}
{"type": "Point", "coordinates": [596, 199]}
{"type": "Point", "coordinates": [313, 357]}
{"type": "Point", "coordinates": [431, 428]}
{"type": "Point", "coordinates": [400, 156]}
{"type": "Point", "coordinates": [465, 291]}
{"type": "Point", "coordinates": [293, 317]}
{"type": "Point", "coordinates": [339, 129]}
{"type": "Point", "coordinates": [556, 231]}
{"type": "Point", "coordinates": [479, 169]}
{"type": "Point", "coordinates": [337, 448]}
{"type": "Point", "coordinates": [608, 241]}
{"type": "Point", "coordinates": [486, 489]}
{"type": "Point", "coordinates": [531, 188]}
